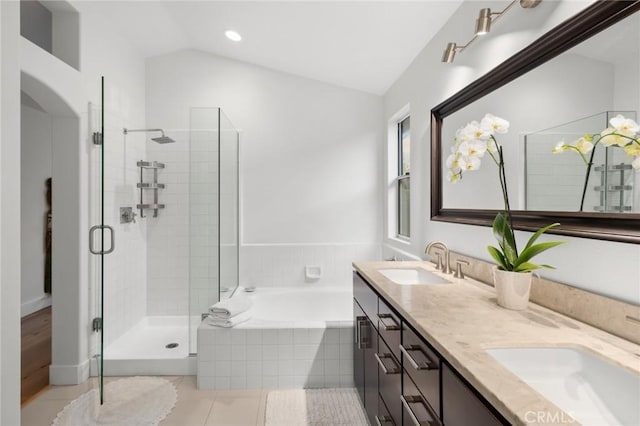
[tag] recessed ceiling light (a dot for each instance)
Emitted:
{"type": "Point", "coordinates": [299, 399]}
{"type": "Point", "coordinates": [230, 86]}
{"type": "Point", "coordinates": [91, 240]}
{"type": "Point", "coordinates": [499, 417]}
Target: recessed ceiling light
{"type": "Point", "coordinates": [232, 35]}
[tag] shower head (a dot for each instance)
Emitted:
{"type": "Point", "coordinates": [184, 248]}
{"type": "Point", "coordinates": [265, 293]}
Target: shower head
{"type": "Point", "coordinates": [162, 139]}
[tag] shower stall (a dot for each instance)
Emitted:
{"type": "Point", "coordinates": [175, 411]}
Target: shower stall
{"type": "Point", "coordinates": [165, 201]}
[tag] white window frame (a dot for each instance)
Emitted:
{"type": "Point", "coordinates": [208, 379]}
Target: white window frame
{"type": "Point", "coordinates": [393, 176]}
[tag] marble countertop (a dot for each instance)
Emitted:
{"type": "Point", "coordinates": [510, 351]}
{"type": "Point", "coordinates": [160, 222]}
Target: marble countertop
{"type": "Point", "coordinates": [462, 319]}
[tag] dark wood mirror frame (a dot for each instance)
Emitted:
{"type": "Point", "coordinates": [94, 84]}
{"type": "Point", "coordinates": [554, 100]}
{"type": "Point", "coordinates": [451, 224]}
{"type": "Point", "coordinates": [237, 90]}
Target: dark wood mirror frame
{"type": "Point", "coordinates": [624, 227]}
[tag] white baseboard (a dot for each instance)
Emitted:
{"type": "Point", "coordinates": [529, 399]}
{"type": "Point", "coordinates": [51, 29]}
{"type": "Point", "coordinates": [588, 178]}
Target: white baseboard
{"type": "Point", "coordinates": [35, 305]}
{"type": "Point", "coordinates": [69, 374]}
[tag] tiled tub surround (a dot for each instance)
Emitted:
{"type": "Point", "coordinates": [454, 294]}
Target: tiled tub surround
{"type": "Point", "coordinates": [297, 338]}
{"type": "Point", "coordinates": [462, 319]}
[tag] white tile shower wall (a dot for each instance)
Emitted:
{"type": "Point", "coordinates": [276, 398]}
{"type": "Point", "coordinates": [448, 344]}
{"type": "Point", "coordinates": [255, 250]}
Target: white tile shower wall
{"type": "Point", "coordinates": [168, 233]}
{"type": "Point", "coordinates": [283, 265]}
{"type": "Point", "coordinates": [183, 239]}
{"type": "Point", "coordinates": [125, 272]}
{"type": "Point", "coordinates": [275, 358]}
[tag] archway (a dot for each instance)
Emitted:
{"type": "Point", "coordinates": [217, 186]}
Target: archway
{"type": "Point", "coordinates": [69, 298]}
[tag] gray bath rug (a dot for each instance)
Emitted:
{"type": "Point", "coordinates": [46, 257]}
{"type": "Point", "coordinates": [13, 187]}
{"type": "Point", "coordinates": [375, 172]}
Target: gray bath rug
{"type": "Point", "coordinates": [314, 407]}
{"type": "Point", "coordinates": [134, 401]}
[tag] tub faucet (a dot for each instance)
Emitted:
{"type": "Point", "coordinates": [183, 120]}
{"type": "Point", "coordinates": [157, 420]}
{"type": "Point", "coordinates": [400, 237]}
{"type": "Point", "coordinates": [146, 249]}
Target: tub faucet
{"type": "Point", "coordinates": [443, 263]}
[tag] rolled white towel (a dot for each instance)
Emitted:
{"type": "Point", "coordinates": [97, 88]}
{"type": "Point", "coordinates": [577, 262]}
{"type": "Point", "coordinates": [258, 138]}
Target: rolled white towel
{"type": "Point", "coordinates": [230, 308]}
{"type": "Point", "coordinates": [228, 322]}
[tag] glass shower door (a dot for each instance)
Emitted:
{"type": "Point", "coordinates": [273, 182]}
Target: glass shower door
{"type": "Point", "coordinates": [101, 235]}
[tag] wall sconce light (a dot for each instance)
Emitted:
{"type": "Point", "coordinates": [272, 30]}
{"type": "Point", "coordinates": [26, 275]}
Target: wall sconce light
{"type": "Point", "coordinates": [483, 26]}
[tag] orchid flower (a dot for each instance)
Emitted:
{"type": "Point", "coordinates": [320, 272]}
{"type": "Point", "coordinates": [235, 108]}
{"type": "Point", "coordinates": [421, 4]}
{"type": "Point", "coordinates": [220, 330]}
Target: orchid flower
{"type": "Point", "coordinates": [473, 131]}
{"type": "Point", "coordinates": [623, 132]}
{"type": "Point", "coordinates": [492, 124]}
{"type": "Point", "coordinates": [625, 126]}
{"type": "Point", "coordinates": [560, 148]}
{"type": "Point", "coordinates": [470, 145]}
{"type": "Point", "coordinates": [473, 148]}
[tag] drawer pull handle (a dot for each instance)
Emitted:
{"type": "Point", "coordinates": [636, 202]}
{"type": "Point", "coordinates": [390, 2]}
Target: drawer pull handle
{"type": "Point", "coordinates": [426, 365]}
{"type": "Point", "coordinates": [357, 336]}
{"type": "Point", "coordinates": [390, 324]}
{"type": "Point", "coordinates": [416, 399]}
{"type": "Point", "coordinates": [393, 370]}
{"type": "Point", "coordinates": [364, 338]}
{"type": "Point", "coordinates": [384, 420]}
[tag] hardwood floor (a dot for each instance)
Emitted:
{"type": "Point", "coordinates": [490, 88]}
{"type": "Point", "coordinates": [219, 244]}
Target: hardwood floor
{"type": "Point", "coordinates": [35, 353]}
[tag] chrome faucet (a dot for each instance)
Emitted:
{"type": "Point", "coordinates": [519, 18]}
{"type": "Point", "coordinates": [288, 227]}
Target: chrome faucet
{"type": "Point", "coordinates": [443, 261]}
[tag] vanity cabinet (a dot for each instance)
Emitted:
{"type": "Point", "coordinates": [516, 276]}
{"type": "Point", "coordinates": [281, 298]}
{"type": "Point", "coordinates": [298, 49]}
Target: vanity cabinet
{"type": "Point", "coordinates": [401, 378]}
{"type": "Point", "coordinates": [422, 365]}
{"type": "Point", "coordinates": [460, 405]}
{"type": "Point", "coordinates": [365, 364]}
{"type": "Point", "coordinates": [389, 382]}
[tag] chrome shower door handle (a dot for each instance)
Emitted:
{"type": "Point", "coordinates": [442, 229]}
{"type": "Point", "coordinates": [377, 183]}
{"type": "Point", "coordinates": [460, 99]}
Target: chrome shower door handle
{"type": "Point", "coordinates": [92, 239]}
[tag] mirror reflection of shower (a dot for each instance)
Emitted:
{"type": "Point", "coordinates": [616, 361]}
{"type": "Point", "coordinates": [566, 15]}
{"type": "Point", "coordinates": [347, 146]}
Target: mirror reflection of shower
{"type": "Point", "coordinates": [161, 139]}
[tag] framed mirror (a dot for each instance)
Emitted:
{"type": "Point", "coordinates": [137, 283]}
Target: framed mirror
{"type": "Point", "coordinates": [570, 82]}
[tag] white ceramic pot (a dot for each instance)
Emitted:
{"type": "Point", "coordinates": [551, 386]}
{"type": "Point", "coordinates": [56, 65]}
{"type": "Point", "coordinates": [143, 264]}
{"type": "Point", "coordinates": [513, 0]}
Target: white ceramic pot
{"type": "Point", "coordinates": [512, 289]}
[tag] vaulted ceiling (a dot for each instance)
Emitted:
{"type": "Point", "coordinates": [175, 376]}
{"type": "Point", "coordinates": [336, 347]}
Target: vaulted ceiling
{"type": "Point", "coordinates": [363, 45]}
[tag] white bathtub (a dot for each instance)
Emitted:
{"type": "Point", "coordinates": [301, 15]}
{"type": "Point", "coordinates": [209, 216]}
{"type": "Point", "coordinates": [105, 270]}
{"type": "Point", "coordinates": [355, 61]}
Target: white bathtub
{"type": "Point", "coordinates": [296, 338]}
{"type": "Point", "coordinates": [306, 307]}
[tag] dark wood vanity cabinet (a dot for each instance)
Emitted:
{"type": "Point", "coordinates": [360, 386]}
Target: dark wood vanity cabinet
{"type": "Point", "coordinates": [400, 377]}
{"type": "Point", "coordinates": [358, 350]}
{"type": "Point", "coordinates": [461, 406]}
{"type": "Point", "coordinates": [422, 365]}
{"type": "Point", "coordinates": [365, 362]}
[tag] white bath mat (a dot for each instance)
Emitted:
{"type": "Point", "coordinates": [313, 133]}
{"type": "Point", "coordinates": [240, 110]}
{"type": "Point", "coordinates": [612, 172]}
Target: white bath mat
{"type": "Point", "coordinates": [134, 401]}
{"type": "Point", "coordinates": [314, 407]}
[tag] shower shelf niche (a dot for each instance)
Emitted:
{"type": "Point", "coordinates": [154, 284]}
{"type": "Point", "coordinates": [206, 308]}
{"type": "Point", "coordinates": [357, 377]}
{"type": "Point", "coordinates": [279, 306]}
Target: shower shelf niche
{"type": "Point", "coordinates": [153, 186]}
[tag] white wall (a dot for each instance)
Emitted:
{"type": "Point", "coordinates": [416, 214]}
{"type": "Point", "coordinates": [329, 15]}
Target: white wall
{"type": "Point", "coordinates": [36, 130]}
{"type": "Point", "coordinates": [9, 214]}
{"type": "Point", "coordinates": [310, 161]}
{"type": "Point", "coordinates": [105, 53]}
{"type": "Point", "coordinates": [427, 82]}
{"type": "Point", "coordinates": [66, 94]}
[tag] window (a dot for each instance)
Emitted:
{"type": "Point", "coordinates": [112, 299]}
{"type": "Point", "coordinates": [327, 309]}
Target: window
{"type": "Point", "coordinates": [404, 179]}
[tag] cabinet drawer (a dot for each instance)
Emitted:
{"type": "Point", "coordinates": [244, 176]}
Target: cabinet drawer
{"type": "Point", "coordinates": [389, 380]}
{"type": "Point", "coordinates": [423, 365]}
{"type": "Point", "coordinates": [416, 410]}
{"type": "Point", "coordinates": [389, 327]}
{"type": "Point", "coordinates": [460, 406]}
{"type": "Point", "coordinates": [383, 418]}
{"type": "Point", "coordinates": [366, 297]}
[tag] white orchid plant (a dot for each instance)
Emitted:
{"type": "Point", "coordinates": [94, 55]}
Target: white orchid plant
{"type": "Point", "coordinates": [471, 144]}
{"type": "Point", "coordinates": [622, 132]}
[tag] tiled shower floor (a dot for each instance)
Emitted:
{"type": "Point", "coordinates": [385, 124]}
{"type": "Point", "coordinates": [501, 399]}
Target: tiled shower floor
{"type": "Point", "coordinates": [148, 339]}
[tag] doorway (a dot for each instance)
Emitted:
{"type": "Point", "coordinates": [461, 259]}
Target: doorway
{"type": "Point", "coordinates": [35, 245]}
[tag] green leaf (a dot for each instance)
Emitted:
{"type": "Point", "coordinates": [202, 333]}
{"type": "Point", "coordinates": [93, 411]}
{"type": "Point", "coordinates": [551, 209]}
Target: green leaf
{"type": "Point", "coordinates": [504, 234]}
{"type": "Point", "coordinates": [539, 232]}
{"type": "Point", "coordinates": [535, 250]}
{"type": "Point", "coordinates": [528, 267]}
{"type": "Point", "coordinates": [498, 257]}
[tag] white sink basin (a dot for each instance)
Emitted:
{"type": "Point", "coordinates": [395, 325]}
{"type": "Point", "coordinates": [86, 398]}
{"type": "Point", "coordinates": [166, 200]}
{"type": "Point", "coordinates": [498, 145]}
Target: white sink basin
{"type": "Point", "coordinates": [412, 276]}
{"type": "Point", "coordinates": [590, 389]}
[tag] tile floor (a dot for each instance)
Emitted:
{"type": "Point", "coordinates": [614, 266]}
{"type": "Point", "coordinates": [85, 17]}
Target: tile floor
{"type": "Point", "coordinates": [193, 408]}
